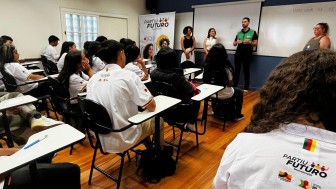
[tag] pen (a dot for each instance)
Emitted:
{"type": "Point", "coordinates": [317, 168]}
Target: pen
{"type": "Point", "coordinates": [35, 142]}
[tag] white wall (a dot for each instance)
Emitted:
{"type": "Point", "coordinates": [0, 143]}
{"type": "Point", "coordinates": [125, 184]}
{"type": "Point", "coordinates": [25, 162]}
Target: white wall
{"type": "Point", "coordinates": [31, 22]}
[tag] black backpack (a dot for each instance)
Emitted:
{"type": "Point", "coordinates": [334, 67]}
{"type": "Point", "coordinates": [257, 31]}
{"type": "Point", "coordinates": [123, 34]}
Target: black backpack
{"type": "Point", "coordinates": [156, 164]}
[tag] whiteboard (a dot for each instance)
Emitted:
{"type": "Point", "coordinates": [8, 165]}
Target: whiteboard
{"type": "Point", "coordinates": [181, 20]}
{"type": "Point", "coordinates": [285, 29]}
{"type": "Point", "coordinates": [226, 18]}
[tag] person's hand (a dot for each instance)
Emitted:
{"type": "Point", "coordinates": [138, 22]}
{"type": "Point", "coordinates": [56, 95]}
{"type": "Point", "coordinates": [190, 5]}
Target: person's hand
{"type": "Point", "coordinates": [247, 41]}
{"type": "Point", "coordinates": [85, 65]}
{"type": "Point", "coordinates": [239, 41]}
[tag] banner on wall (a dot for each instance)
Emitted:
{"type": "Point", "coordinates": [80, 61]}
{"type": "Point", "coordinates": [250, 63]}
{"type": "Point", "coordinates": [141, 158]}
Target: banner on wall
{"type": "Point", "coordinates": [156, 27]}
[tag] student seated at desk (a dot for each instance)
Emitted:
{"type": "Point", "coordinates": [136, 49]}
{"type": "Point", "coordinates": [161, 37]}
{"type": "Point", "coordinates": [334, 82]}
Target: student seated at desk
{"type": "Point", "coordinates": [218, 67]}
{"type": "Point", "coordinates": [51, 176]}
{"type": "Point", "coordinates": [10, 63]}
{"type": "Point", "coordinates": [291, 140]}
{"type": "Point", "coordinates": [50, 52]}
{"type": "Point", "coordinates": [135, 63]}
{"type": "Point", "coordinates": [72, 76]}
{"type": "Point", "coordinates": [168, 71]}
{"type": "Point", "coordinates": [92, 54]}
{"type": "Point", "coordinates": [121, 91]}
{"type": "Point", "coordinates": [67, 46]}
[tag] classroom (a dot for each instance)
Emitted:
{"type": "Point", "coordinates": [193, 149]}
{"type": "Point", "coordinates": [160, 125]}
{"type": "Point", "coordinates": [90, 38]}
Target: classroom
{"type": "Point", "coordinates": [283, 28]}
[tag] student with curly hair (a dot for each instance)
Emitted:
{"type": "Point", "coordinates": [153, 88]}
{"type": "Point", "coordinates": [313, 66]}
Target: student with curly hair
{"type": "Point", "coordinates": [291, 135]}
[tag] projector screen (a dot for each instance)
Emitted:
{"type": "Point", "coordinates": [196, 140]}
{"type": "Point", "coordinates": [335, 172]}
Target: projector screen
{"type": "Point", "coordinates": [226, 18]}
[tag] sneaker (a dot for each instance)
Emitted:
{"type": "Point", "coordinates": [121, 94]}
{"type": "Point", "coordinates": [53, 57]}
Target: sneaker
{"type": "Point", "coordinates": [239, 117]}
{"type": "Point", "coordinates": [39, 124]}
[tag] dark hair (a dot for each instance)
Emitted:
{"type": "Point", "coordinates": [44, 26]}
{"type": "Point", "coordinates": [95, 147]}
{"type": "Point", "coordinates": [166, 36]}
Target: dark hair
{"type": "Point", "coordinates": [101, 38]}
{"type": "Point", "coordinates": [216, 64]}
{"type": "Point", "coordinates": [71, 61]}
{"type": "Point", "coordinates": [145, 52]}
{"type": "Point", "coordinates": [185, 29]}
{"type": "Point", "coordinates": [247, 18]}
{"type": "Point", "coordinates": [166, 58]}
{"type": "Point", "coordinates": [92, 50]}
{"type": "Point", "coordinates": [302, 86]}
{"type": "Point", "coordinates": [164, 40]}
{"type": "Point", "coordinates": [53, 38]}
{"type": "Point", "coordinates": [86, 45]}
{"type": "Point", "coordinates": [5, 38]}
{"type": "Point", "coordinates": [131, 52]}
{"type": "Point", "coordinates": [109, 51]}
{"type": "Point", "coordinates": [125, 42]}
{"type": "Point", "coordinates": [7, 54]}
{"type": "Point", "coordinates": [210, 31]}
{"type": "Point", "coordinates": [325, 27]}
{"type": "Point", "coordinates": [65, 47]}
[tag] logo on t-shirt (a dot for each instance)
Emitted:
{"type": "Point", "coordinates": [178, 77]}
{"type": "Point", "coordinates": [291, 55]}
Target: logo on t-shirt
{"type": "Point", "coordinates": [284, 176]}
{"type": "Point", "coordinates": [309, 144]}
{"type": "Point", "coordinates": [304, 184]}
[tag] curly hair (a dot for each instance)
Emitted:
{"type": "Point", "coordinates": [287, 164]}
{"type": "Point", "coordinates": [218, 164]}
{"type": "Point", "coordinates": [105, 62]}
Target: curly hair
{"type": "Point", "coordinates": [301, 86]}
{"type": "Point", "coordinates": [164, 40]}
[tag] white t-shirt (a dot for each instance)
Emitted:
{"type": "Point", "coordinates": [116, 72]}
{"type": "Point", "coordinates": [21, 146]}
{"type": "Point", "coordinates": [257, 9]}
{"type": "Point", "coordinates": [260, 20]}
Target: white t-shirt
{"type": "Point", "coordinates": [60, 63]}
{"type": "Point", "coordinates": [227, 92]}
{"type": "Point", "coordinates": [21, 75]}
{"type": "Point", "coordinates": [120, 91]}
{"type": "Point", "coordinates": [209, 42]}
{"type": "Point", "coordinates": [97, 64]}
{"type": "Point", "coordinates": [51, 53]}
{"type": "Point", "coordinates": [294, 156]}
{"type": "Point", "coordinates": [76, 84]}
{"type": "Point", "coordinates": [134, 68]}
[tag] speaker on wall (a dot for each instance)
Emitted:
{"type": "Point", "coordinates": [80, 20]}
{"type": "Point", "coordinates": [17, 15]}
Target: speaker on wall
{"type": "Point", "coordinates": [151, 5]}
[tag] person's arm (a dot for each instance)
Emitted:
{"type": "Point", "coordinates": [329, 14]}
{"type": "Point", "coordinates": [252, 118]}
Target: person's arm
{"type": "Point", "coordinates": [204, 46]}
{"type": "Point", "coordinates": [217, 40]}
{"type": "Point", "coordinates": [35, 77]}
{"type": "Point", "coordinates": [194, 44]}
{"type": "Point", "coordinates": [182, 45]}
{"type": "Point", "coordinates": [254, 41]}
{"type": "Point", "coordinates": [151, 105]}
{"type": "Point", "coordinates": [325, 42]}
{"type": "Point", "coordinates": [236, 42]}
{"type": "Point", "coordinates": [86, 67]}
{"type": "Point", "coordinates": [142, 66]}
{"type": "Point", "coordinates": [8, 151]}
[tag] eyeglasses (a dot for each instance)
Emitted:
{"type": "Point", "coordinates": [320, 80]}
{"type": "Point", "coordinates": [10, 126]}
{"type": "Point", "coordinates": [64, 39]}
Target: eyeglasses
{"type": "Point", "coordinates": [316, 28]}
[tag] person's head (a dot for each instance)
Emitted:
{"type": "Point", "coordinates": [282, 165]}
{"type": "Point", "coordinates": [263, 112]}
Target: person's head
{"type": "Point", "coordinates": [166, 58]}
{"type": "Point", "coordinates": [301, 90]}
{"type": "Point", "coordinates": [86, 45]}
{"type": "Point", "coordinates": [246, 22]}
{"type": "Point", "coordinates": [112, 52]}
{"type": "Point", "coordinates": [72, 64]}
{"type": "Point", "coordinates": [132, 53]}
{"type": "Point", "coordinates": [164, 42]}
{"type": "Point", "coordinates": [148, 51]}
{"type": "Point", "coordinates": [217, 56]}
{"type": "Point", "coordinates": [187, 30]}
{"type": "Point", "coordinates": [66, 47]}
{"type": "Point", "coordinates": [211, 33]}
{"type": "Point", "coordinates": [125, 42]}
{"type": "Point", "coordinates": [92, 49]}
{"type": "Point", "coordinates": [8, 54]}
{"type": "Point", "coordinates": [101, 38]}
{"type": "Point", "coordinates": [321, 29]}
{"type": "Point", "coordinates": [6, 39]}
{"type": "Point", "coordinates": [53, 40]}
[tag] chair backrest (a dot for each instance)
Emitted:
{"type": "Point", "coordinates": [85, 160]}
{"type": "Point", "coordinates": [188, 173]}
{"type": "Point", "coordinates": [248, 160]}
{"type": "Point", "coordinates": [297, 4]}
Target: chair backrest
{"type": "Point", "coordinates": [187, 64]}
{"type": "Point", "coordinates": [214, 76]}
{"type": "Point", "coordinates": [9, 81]}
{"type": "Point", "coordinates": [162, 88]}
{"type": "Point", "coordinates": [49, 67]}
{"type": "Point", "coordinates": [59, 95]}
{"type": "Point", "coordinates": [97, 115]}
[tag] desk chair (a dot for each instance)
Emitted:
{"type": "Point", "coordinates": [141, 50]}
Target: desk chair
{"type": "Point", "coordinates": [100, 123]}
{"type": "Point", "coordinates": [11, 86]}
{"type": "Point", "coordinates": [49, 67]}
{"type": "Point", "coordinates": [61, 99]}
{"type": "Point", "coordinates": [179, 116]}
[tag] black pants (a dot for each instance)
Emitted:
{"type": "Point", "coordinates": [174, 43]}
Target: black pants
{"type": "Point", "coordinates": [245, 60]}
{"type": "Point", "coordinates": [51, 176]}
{"type": "Point", "coordinates": [238, 99]}
{"type": "Point", "coordinates": [42, 90]}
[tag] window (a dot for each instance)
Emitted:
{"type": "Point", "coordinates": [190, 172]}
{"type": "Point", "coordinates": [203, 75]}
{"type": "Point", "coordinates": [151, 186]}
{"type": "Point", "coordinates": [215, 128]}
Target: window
{"type": "Point", "coordinates": [81, 28]}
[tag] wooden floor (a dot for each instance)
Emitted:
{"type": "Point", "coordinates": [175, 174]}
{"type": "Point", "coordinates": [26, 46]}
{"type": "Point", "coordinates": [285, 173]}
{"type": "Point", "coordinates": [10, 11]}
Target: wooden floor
{"type": "Point", "coordinates": [196, 167]}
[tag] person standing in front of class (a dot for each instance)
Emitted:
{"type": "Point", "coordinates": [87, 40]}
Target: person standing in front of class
{"type": "Point", "coordinates": [188, 44]}
{"type": "Point", "coordinates": [245, 40]}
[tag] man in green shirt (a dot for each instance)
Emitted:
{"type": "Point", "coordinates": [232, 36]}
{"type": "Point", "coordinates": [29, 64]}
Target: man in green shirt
{"type": "Point", "coordinates": [246, 39]}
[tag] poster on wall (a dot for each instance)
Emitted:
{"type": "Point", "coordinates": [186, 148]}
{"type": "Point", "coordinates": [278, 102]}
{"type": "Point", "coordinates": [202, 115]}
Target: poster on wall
{"type": "Point", "coordinates": [155, 28]}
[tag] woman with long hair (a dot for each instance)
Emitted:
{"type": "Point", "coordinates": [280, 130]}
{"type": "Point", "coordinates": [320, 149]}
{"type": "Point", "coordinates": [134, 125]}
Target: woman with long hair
{"type": "Point", "coordinates": [148, 52]}
{"type": "Point", "coordinates": [209, 41]}
{"type": "Point", "coordinates": [92, 54]}
{"type": "Point", "coordinates": [66, 47]}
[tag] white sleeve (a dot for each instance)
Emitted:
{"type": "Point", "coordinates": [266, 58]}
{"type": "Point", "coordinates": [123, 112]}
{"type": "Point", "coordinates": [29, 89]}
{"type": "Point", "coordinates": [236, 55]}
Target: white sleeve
{"type": "Point", "coordinates": [97, 64]}
{"type": "Point", "coordinates": [140, 94]}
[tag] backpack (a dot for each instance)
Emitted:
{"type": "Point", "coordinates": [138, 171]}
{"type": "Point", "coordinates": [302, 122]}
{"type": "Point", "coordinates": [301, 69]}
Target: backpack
{"type": "Point", "coordinates": [155, 164]}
